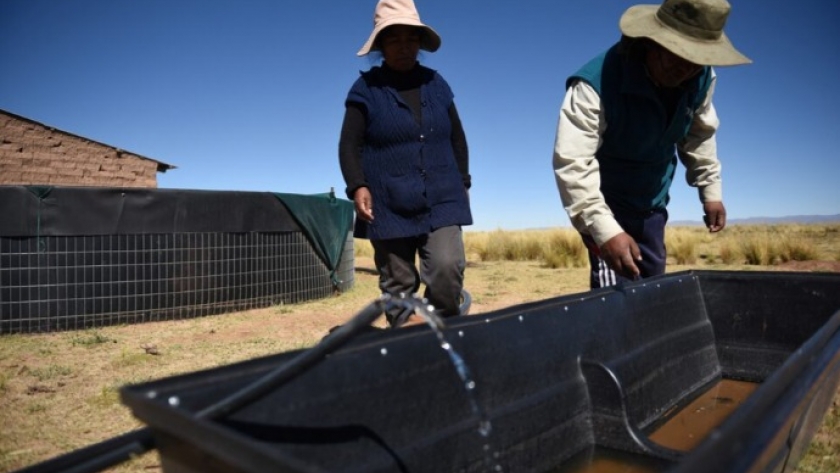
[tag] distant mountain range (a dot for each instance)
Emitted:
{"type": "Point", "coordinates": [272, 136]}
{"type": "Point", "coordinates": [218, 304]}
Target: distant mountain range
{"type": "Point", "coordinates": [801, 219]}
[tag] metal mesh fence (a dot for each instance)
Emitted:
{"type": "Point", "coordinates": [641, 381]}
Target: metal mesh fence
{"type": "Point", "coordinates": [75, 282]}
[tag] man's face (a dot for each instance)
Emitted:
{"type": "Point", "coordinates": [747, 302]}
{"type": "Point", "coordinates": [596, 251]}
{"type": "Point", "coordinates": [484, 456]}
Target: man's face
{"type": "Point", "coordinates": [667, 69]}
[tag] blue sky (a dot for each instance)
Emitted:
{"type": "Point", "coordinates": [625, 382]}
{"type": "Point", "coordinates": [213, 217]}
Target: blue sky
{"type": "Point", "coordinates": [248, 95]}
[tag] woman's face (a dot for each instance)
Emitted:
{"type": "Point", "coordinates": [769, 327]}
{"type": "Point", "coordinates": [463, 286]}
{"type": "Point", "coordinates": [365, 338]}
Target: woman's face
{"type": "Point", "coordinates": [400, 45]}
{"type": "Point", "coordinates": [667, 69]}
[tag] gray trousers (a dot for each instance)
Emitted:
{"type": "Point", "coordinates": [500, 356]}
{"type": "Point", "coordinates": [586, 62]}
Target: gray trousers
{"type": "Point", "coordinates": [442, 263]}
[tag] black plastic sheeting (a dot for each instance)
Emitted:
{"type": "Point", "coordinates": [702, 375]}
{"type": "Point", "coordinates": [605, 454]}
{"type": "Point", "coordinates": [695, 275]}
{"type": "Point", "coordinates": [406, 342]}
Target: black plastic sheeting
{"type": "Point", "coordinates": [77, 211]}
{"type": "Point", "coordinates": [33, 211]}
{"type": "Point", "coordinates": [553, 378]}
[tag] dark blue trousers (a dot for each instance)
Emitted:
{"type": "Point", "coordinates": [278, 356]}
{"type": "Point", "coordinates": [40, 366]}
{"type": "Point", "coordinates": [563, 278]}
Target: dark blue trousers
{"type": "Point", "coordinates": [648, 229]}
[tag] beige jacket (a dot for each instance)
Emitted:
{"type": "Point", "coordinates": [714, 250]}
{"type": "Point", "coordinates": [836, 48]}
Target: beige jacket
{"type": "Point", "coordinates": [580, 128]}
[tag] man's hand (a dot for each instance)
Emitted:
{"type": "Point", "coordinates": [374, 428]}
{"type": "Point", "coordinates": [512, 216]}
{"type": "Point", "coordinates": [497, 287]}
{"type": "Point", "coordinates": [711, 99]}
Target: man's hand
{"type": "Point", "coordinates": [714, 214]}
{"type": "Point", "coordinates": [364, 204]}
{"type": "Point", "coordinates": [621, 253]}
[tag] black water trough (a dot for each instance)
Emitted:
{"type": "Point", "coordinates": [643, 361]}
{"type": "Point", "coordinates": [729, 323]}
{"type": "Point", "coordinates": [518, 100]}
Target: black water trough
{"type": "Point", "coordinates": [541, 385]}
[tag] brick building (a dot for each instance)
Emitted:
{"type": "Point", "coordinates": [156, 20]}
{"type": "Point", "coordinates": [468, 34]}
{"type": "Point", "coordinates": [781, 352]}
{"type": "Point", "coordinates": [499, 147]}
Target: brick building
{"type": "Point", "coordinates": [32, 153]}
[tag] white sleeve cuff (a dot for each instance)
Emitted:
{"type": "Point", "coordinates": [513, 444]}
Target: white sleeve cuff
{"type": "Point", "coordinates": [712, 192]}
{"type": "Point", "coordinates": [603, 229]}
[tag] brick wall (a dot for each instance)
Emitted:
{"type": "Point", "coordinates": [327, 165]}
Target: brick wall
{"type": "Point", "coordinates": [34, 154]}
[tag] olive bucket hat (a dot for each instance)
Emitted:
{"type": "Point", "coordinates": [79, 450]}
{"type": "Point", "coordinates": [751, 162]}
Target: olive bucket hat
{"type": "Point", "coordinates": [691, 29]}
{"type": "Point", "coordinates": [399, 12]}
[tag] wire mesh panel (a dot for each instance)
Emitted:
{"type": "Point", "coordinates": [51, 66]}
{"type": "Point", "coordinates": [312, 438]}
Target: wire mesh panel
{"type": "Point", "coordinates": [72, 282]}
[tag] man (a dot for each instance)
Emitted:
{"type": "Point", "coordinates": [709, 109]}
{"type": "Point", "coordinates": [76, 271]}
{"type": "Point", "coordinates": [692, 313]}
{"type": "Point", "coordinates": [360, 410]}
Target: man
{"type": "Point", "coordinates": [626, 117]}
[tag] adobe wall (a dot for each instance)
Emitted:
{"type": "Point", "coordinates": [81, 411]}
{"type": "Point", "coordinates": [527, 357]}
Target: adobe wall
{"type": "Point", "coordinates": [34, 154]}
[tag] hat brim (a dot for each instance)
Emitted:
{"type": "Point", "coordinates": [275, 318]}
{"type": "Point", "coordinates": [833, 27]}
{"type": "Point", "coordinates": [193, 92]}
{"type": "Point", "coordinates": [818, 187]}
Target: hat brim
{"type": "Point", "coordinates": [641, 21]}
{"type": "Point", "coordinates": [431, 40]}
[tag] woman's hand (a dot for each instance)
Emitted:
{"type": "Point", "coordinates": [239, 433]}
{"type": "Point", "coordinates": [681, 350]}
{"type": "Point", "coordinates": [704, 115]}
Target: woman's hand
{"type": "Point", "coordinates": [364, 204]}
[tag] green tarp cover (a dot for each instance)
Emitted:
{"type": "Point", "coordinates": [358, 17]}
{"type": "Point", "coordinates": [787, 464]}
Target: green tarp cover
{"type": "Point", "coordinates": [325, 220]}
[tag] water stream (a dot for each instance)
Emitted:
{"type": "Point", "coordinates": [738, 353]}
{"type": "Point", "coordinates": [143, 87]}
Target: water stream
{"type": "Point", "coordinates": [484, 426]}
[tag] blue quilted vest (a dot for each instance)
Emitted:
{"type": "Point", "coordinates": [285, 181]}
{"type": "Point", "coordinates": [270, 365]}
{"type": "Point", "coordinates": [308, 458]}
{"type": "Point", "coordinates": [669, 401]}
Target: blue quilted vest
{"type": "Point", "coordinates": [637, 157]}
{"type": "Point", "coordinates": [410, 167]}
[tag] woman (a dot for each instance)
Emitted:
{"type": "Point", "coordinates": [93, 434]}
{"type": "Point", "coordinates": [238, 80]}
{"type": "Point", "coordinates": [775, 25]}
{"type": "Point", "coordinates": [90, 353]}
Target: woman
{"type": "Point", "coordinates": [404, 158]}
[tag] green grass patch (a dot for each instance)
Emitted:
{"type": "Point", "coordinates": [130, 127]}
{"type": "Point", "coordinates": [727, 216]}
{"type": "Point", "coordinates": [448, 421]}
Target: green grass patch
{"type": "Point", "coordinates": [50, 372]}
{"type": "Point", "coordinates": [91, 338]}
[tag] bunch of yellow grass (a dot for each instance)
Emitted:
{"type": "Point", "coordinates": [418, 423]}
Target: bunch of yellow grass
{"type": "Point", "coordinates": [760, 245]}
